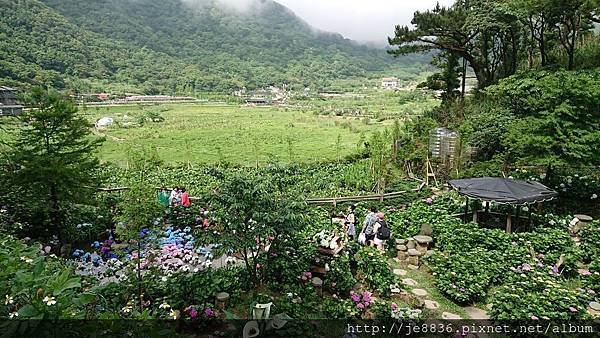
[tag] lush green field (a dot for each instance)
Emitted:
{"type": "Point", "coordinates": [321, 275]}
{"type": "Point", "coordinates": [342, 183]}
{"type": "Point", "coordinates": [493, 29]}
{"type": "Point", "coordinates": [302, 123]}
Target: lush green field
{"type": "Point", "coordinates": [241, 135]}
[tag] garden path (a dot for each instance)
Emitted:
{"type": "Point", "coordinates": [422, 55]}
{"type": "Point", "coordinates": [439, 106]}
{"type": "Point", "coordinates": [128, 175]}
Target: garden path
{"type": "Point", "coordinates": [421, 280]}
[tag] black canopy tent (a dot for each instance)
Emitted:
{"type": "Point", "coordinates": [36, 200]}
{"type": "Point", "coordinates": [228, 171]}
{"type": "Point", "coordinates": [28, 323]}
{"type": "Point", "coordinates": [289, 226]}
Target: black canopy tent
{"type": "Point", "coordinates": [504, 191]}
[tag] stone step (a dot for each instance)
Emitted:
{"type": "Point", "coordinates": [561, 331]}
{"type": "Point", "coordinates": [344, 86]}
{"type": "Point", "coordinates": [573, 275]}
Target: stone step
{"type": "Point", "coordinates": [409, 282]}
{"type": "Point", "coordinates": [449, 315]}
{"type": "Point", "coordinates": [476, 313]}
{"type": "Point", "coordinates": [431, 304]}
{"type": "Point", "coordinates": [419, 292]}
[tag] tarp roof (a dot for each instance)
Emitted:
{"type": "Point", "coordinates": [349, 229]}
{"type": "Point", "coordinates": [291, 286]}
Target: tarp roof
{"type": "Point", "coordinates": [504, 190]}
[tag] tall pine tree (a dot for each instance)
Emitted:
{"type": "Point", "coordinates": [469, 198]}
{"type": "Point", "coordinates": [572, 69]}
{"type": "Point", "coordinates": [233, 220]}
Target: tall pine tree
{"type": "Point", "coordinates": [52, 164]}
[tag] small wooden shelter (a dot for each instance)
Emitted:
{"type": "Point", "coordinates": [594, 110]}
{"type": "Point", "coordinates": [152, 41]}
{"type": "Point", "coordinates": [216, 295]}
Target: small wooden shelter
{"type": "Point", "coordinates": [516, 193]}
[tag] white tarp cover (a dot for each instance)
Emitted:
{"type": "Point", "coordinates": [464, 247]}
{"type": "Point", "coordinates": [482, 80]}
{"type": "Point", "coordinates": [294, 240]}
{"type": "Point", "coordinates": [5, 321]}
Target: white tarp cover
{"type": "Point", "coordinates": [104, 122]}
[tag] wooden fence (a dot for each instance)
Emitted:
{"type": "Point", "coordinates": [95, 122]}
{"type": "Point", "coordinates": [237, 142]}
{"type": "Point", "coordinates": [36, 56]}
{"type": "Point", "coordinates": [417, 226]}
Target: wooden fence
{"type": "Point", "coordinates": [317, 201]}
{"type": "Point", "coordinates": [378, 197]}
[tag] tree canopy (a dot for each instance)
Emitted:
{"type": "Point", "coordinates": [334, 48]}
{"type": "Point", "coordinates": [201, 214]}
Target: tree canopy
{"type": "Point", "coordinates": [496, 37]}
{"type": "Point", "coordinates": [51, 163]}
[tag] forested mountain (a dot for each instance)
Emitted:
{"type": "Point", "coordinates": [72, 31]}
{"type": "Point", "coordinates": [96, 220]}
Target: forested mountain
{"type": "Point", "coordinates": [171, 46]}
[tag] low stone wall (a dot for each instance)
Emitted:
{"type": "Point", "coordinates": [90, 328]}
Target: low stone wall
{"type": "Point", "coordinates": [410, 250]}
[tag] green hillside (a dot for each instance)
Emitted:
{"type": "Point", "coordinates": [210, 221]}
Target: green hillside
{"type": "Point", "coordinates": [174, 46]}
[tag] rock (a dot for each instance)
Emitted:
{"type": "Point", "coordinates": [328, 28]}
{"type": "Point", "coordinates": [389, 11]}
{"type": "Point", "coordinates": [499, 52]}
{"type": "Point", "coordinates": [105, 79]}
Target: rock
{"type": "Point", "coordinates": [584, 218]}
{"type": "Point", "coordinates": [426, 230]}
{"type": "Point", "coordinates": [400, 241]}
{"type": "Point", "coordinates": [431, 304]}
{"type": "Point", "coordinates": [476, 313]}
{"type": "Point", "coordinates": [419, 292]}
{"type": "Point", "coordinates": [409, 282]}
{"type": "Point", "coordinates": [584, 272]}
{"type": "Point", "coordinates": [595, 306]}
{"type": "Point", "coordinates": [221, 300]}
{"type": "Point", "coordinates": [414, 252]}
{"type": "Point", "coordinates": [317, 282]}
{"type": "Point", "coordinates": [448, 315]}
{"type": "Point", "coordinates": [428, 253]}
{"type": "Point", "coordinates": [401, 247]}
{"type": "Point", "coordinates": [413, 267]}
{"type": "Point", "coordinates": [422, 248]}
{"type": "Point", "coordinates": [402, 255]}
{"type": "Point", "coordinates": [423, 239]}
{"type": "Point", "coordinates": [399, 272]}
{"type": "Point", "coordinates": [413, 260]}
{"type": "Point", "coordinates": [411, 243]}
{"type": "Point", "coordinates": [395, 290]}
{"type": "Point", "coordinates": [222, 296]}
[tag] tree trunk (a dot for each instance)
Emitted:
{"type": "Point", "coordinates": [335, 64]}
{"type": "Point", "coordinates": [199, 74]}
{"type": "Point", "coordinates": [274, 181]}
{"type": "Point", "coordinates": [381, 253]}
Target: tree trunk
{"type": "Point", "coordinates": [55, 217]}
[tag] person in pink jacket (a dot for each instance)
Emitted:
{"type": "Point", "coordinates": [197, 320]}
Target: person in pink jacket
{"type": "Point", "coordinates": [185, 198]}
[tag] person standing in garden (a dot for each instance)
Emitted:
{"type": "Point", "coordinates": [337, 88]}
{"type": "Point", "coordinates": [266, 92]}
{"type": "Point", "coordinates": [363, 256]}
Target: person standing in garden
{"type": "Point", "coordinates": [175, 198]}
{"type": "Point", "coordinates": [368, 226]}
{"type": "Point", "coordinates": [185, 198]}
{"type": "Point", "coordinates": [163, 197]}
{"type": "Point", "coordinates": [382, 232]}
{"type": "Point", "coordinates": [351, 222]}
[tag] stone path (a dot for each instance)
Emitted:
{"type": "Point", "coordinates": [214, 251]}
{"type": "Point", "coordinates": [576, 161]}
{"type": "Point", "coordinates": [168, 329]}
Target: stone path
{"type": "Point", "coordinates": [449, 315]}
{"type": "Point", "coordinates": [409, 282]}
{"type": "Point", "coordinates": [400, 272]}
{"type": "Point", "coordinates": [431, 304]}
{"type": "Point", "coordinates": [476, 313]}
{"type": "Point", "coordinates": [419, 292]}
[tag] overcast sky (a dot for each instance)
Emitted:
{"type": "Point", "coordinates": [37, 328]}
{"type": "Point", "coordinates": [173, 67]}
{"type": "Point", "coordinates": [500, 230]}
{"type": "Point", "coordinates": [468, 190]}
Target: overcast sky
{"type": "Point", "coordinates": [361, 20]}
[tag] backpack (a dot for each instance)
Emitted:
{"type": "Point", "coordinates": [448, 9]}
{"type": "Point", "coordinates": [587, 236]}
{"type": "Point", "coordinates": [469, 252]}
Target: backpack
{"type": "Point", "coordinates": [384, 232]}
{"type": "Point", "coordinates": [369, 229]}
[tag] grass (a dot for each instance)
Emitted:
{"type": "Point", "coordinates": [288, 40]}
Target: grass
{"type": "Point", "coordinates": [230, 133]}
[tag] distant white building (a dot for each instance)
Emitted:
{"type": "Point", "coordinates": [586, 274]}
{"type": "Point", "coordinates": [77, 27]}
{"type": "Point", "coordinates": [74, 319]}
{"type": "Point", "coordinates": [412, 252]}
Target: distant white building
{"type": "Point", "coordinates": [389, 83]}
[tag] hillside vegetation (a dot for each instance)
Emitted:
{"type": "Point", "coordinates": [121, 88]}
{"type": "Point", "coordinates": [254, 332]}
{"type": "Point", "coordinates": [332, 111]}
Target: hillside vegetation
{"type": "Point", "coordinates": [174, 46]}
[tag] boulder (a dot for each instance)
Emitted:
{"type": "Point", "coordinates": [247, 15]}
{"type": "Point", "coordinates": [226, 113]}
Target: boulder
{"type": "Point", "coordinates": [413, 260]}
{"type": "Point", "coordinates": [411, 243]}
{"type": "Point", "coordinates": [584, 218]}
{"type": "Point", "coordinates": [414, 252]}
{"type": "Point", "coordinates": [317, 282]}
{"type": "Point", "coordinates": [400, 241]}
{"type": "Point", "coordinates": [401, 247]}
{"type": "Point", "coordinates": [426, 230]}
{"type": "Point", "coordinates": [402, 255]}
{"type": "Point", "coordinates": [424, 239]}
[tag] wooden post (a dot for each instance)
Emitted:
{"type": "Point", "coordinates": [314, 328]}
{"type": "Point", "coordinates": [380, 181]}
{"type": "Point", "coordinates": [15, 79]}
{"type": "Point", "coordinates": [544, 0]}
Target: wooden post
{"type": "Point", "coordinates": [509, 222]}
{"type": "Point", "coordinates": [517, 221]}
{"type": "Point", "coordinates": [466, 208]}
